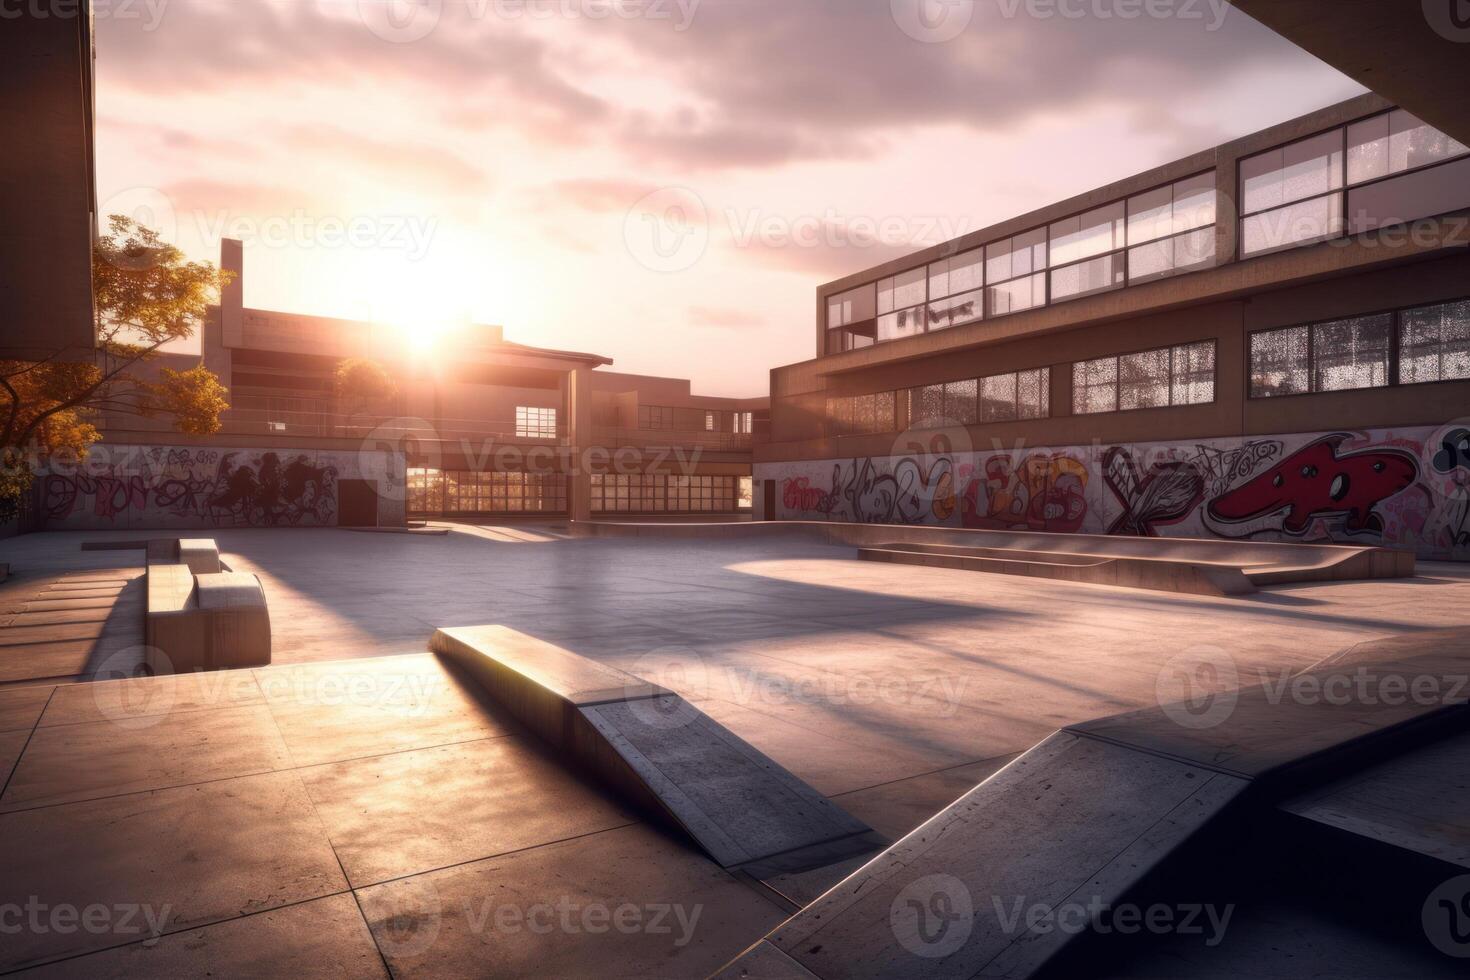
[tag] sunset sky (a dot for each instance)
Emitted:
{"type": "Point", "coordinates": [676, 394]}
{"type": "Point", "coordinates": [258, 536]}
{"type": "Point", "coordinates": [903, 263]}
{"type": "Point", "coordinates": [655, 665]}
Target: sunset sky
{"type": "Point", "coordinates": [666, 189]}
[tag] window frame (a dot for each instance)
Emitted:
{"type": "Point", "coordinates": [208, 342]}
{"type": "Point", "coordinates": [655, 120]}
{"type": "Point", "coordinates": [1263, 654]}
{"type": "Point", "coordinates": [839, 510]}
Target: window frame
{"type": "Point", "coordinates": [1395, 341]}
{"type": "Point", "coordinates": [1344, 189]}
{"type": "Point", "coordinates": [1117, 408]}
{"type": "Point", "coordinates": [531, 422]}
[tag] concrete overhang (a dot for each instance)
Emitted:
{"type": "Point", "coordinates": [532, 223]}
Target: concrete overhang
{"type": "Point", "coordinates": [1414, 52]}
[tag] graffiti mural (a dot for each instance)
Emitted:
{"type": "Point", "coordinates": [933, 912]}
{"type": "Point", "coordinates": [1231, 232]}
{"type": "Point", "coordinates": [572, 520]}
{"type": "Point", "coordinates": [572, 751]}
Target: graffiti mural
{"type": "Point", "coordinates": [187, 487]}
{"type": "Point", "coordinates": [1398, 488]}
{"type": "Point", "coordinates": [1452, 462]}
{"type": "Point", "coordinates": [1167, 494]}
{"type": "Point", "coordinates": [1041, 492]}
{"type": "Point", "coordinates": [1321, 482]}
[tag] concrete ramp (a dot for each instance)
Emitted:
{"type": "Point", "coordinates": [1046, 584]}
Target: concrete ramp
{"type": "Point", "coordinates": [658, 751]}
{"type": "Point", "coordinates": [1261, 562]}
{"type": "Point", "coordinates": [1014, 872]}
{"type": "Point", "coordinates": [1414, 803]}
{"type": "Point", "coordinates": [1158, 574]}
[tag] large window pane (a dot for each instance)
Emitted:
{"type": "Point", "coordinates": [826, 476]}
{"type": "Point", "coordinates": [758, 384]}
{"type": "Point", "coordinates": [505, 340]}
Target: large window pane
{"type": "Point", "coordinates": [967, 271]}
{"type": "Point", "coordinates": [959, 401]}
{"type": "Point", "coordinates": [908, 289]}
{"type": "Point", "coordinates": [1151, 215]}
{"type": "Point", "coordinates": [1033, 394]}
{"type": "Point", "coordinates": [958, 309]}
{"type": "Point", "coordinates": [1434, 343]}
{"type": "Point", "coordinates": [1304, 169]}
{"type": "Point", "coordinates": [1095, 386]}
{"type": "Point", "coordinates": [1194, 202]}
{"type": "Point", "coordinates": [1017, 295]}
{"type": "Point", "coordinates": [1421, 194]}
{"type": "Point", "coordinates": [1367, 149]}
{"type": "Point", "coordinates": [1279, 362]}
{"type": "Point", "coordinates": [1413, 143]}
{"type": "Point", "coordinates": [1193, 381]}
{"type": "Point", "coordinates": [1018, 256]}
{"type": "Point", "coordinates": [1292, 225]}
{"type": "Point", "coordinates": [1086, 235]}
{"type": "Point", "coordinates": [1143, 380]}
{"type": "Point", "coordinates": [1349, 354]}
{"type": "Point", "coordinates": [851, 307]}
{"type": "Point", "coordinates": [998, 398]}
{"type": "Point", "coordinates": [926, 406]}
{"type": "Point", "coordinates": [1093, 276]}
{"type": "Point", "coordinates": [904, 323]}
{"type": "Point", "coordinates": [1159, 259]}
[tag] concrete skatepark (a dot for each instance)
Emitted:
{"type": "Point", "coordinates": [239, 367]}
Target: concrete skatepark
{"type": "Point", "coordinates": [363, 805]}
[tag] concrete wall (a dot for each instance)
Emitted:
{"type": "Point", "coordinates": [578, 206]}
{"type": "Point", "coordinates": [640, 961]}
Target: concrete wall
{"type": "Point", "coordinates": [1404, 488]}
{"type": "Point", "coordinates": [159, 486]}
{"type": "Point", "coordinates": [47, 192]}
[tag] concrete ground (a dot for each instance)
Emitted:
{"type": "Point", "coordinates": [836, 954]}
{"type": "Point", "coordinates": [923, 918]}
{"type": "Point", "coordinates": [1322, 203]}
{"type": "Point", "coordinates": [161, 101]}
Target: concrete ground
{"type": "Point", "coordinates": [328, 818]}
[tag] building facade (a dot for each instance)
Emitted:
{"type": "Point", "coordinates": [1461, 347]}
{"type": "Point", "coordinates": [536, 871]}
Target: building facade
{"type": "Point", "coordinates": [1269, 339]}
{"type": "Point", "coordinates": [478, 428]}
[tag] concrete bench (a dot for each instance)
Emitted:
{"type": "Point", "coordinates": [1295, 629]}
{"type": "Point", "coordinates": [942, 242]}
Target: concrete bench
{"type": "Point", "coordinates": [215, 621]}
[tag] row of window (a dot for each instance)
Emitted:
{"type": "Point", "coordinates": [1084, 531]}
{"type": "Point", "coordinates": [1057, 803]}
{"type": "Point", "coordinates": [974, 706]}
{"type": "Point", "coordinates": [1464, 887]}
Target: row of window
{"type": "Point", "coordinates": [1339, 182]}
{"type": "Point", "coordinates": [1148, 236]}
{"type": "Point", "coordinates": [1412, 346]}
{"type": "Point", "coordinates": [649, 493]}
{"type": "Point", "coordinates": [1384, 170]}
{"type": "Point", "coordinates": [860, 415]}
{"type": "Point", "coordinates": [1417, 345]}
{"type": "Point", "coordinates": [1167, 376]}
{"type": "Point", "coordinates": [1180, 375]}
{"type": "Point", "coordinates": [694, 419]}
{"type": "Point", "coordinates": [433, 491]}
{"type": "Point", "coordinates": [997, 398]}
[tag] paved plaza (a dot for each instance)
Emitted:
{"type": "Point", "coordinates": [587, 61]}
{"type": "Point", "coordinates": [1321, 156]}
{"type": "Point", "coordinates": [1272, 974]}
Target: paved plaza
{"type": "Point", "coordinates": [358, 806]}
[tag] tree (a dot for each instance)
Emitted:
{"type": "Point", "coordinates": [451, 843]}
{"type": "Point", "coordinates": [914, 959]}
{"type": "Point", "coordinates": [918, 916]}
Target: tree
{"type": "Point", "coordinates": [145, 295]}
{"type": "Point", "coordinates": [361, 383]}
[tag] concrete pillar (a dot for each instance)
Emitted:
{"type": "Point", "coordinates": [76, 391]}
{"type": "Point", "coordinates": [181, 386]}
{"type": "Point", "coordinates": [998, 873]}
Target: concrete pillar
{"type": "Point", "coordinates": [579, 436]}
{"type": "Point", "coordinates": [232, 297]}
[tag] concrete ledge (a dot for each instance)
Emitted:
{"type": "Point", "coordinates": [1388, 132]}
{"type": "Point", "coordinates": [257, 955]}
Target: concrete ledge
{"type": "Point", "coordinates": [1158, 574]}
{"type": "Point", "coordinates": [200, 554]}
{"type": "Point", "coordinates": [217, 621]}
{"type": "Point", "coordinates": [654, 749]}
{"type": "Point", "coordinates": [1262, 562]}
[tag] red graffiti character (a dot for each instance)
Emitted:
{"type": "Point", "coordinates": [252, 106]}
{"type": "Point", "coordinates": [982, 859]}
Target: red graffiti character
{"type": "Point", "coordinates": [1316, 481]}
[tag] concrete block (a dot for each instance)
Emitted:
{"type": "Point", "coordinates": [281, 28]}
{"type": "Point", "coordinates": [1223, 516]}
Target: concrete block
{"type": "Point", "coordinates": [200, 554]}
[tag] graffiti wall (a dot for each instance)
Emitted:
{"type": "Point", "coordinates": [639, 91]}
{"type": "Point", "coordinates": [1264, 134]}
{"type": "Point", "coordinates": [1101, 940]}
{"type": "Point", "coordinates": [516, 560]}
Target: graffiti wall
{"type": "Point", "coordinates": [1405, 488]}
{"type": "Point", "coordinates": [204, 487]}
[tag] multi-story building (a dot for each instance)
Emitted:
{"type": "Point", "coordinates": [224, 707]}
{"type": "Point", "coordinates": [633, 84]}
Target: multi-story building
{"type": "Point", "coordinates": [477, 427]}
{"type": "Point", "coordinates": [1268, 339]}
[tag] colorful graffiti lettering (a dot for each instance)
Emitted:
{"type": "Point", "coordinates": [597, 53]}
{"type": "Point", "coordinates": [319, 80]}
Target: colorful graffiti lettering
{"type": "Point", "coordinates": [1318, 482]}
{"type": "Point", "coordinates": [799, 495]}
{"type": "Point", "coordinates": [1167, 494]}
{"type": "Point", "coordinates": [1043, 493]}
